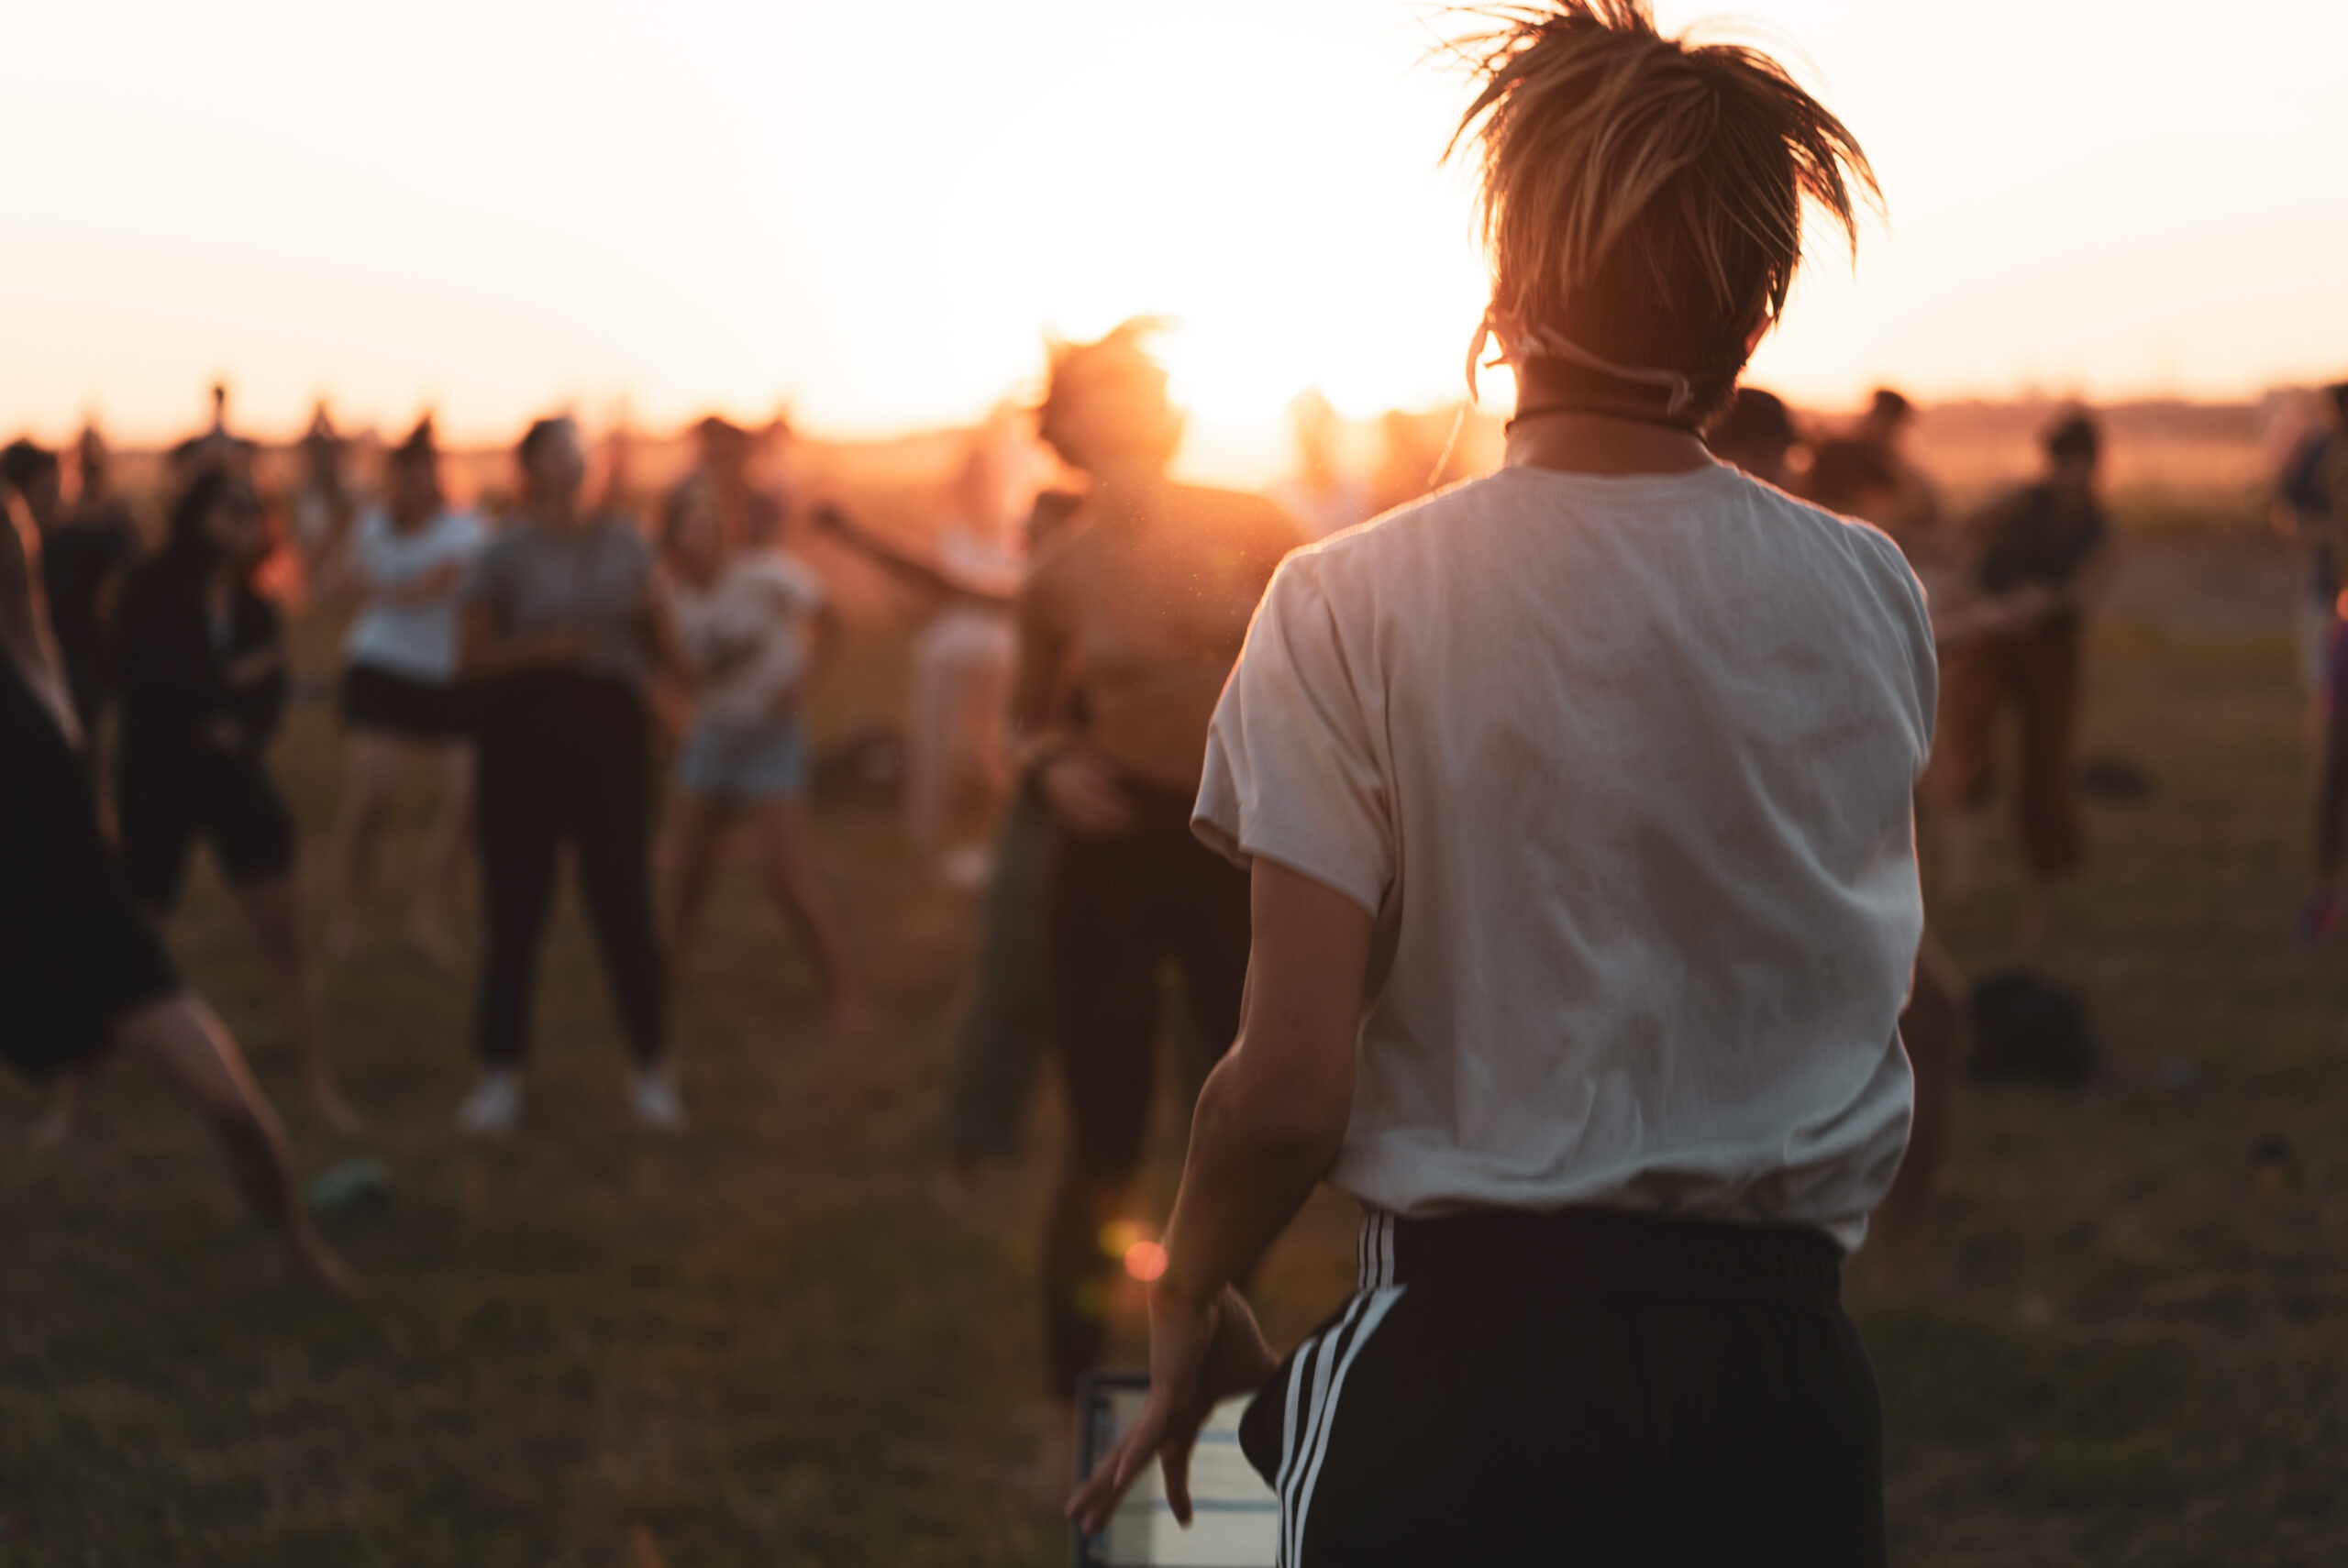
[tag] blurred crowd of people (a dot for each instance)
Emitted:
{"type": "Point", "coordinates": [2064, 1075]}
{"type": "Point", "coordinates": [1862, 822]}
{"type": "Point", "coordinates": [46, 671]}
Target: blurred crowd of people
{"type": "Point", "coordinates": [539, 666]}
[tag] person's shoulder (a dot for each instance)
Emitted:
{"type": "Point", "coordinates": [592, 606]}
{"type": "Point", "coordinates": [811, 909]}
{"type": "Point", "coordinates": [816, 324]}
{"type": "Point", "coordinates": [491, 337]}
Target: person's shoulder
{"type": "Point", "coordinates": [1239, 514]}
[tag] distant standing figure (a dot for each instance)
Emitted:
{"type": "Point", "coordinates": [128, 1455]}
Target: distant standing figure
{"type": "Point", "coordinates": [1915, 503]}
{"type": "Point", "coordinates": [1318, 496]}
{"type": "Point", "coordinates": [321, 506]}
{"type": "Point", "coordinates": [757, 629]}
{"type": "Point", "coordinates": [2042, 559]}
{"type": "Point", "coordinates": [401, 695]}
{"type": "Point", "coordinates": [83, 562]}
{"type": "Point", "coordinates": [560, 626]}
{"type": "Point", "coordinates": [1757, 435]}
{"type": "Point", "coordinates": [205, 678]}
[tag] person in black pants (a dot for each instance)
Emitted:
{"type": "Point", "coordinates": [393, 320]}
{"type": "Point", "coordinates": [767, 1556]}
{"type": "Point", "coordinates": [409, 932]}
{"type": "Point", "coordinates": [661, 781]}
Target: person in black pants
{"type": "Point", "coordinates": [203, 661]}
{"type": "Point", "coordinates": [561, 627]}
{"type": "Point", "coordinates": [84, 974]}
{"type": "Point", "coordinates": [1132, 617]}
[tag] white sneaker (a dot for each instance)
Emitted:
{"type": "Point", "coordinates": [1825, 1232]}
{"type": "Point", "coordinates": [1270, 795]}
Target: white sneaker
{"type": "Point", "coordinates": [653, 1096]}
{"type": "Point", "coordinates": [493, 1105]}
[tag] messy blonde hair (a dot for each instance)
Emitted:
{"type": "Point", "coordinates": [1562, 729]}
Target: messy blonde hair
{"type": "Point", "coordinates": [1643, 196]}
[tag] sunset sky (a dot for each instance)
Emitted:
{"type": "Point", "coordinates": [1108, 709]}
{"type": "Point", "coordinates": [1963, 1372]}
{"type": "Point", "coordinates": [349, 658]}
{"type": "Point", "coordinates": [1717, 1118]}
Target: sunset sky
{"type": "Point", "coordinates": [873, 212]}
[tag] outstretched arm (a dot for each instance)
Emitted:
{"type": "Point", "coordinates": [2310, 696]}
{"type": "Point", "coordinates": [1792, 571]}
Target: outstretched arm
{"type": "Point", "coordinates": [1270, 1121]}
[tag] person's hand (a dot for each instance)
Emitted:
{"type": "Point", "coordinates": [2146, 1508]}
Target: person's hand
{"type": "Point", "coordinates": [2028, 605]}
{"type": "Point", "coordinates": [1082, 789]}
{"type": "Point", "coordinates": [259, 663]}
{"type": "Point", "coordinates": [563, 648]}
{"type": "Point", "coordinates": [1200, 1353]}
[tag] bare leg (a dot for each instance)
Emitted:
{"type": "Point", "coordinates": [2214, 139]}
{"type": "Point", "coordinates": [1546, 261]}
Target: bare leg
{"type": "Point", "coordinates": [699, 840]}
{"type": "Point", "coordinates": [373, 762]}
{"type": "Point", "coordinates": [788, 872]}
{"type": "Point", "coordinates": [63, 1118]}
{"type": "Point", "coordinates": [443, 864]}
{"type": "Point", "coordinates": [181, 1040]}
{"type": "Point", "coordinates": [272, 915]}
{"type": "Point", "coordinates": [1933, 1029]}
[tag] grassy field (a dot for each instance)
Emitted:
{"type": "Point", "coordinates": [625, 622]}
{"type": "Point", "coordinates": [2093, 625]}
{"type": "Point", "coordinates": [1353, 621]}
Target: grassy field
{"type": "Point", "coordinates": [773, 1343]}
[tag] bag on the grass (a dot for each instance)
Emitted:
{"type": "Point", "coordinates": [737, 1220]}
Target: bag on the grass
{"type": "Point", "coordinates": [2027, 1028]}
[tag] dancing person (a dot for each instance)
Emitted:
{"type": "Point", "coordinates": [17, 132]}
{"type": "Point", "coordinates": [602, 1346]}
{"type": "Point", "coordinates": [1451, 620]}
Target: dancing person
{"type": "Point", "coordinates": [205, 679]}
{"type": "Point", "coordinates": [83, 560]}
{"type": "Point", "coordinates": [1135, 614]}
{"type": "Point", "coordinates": [401, 696]}
{"type": "Point", "coordinates": [1575, 800]}
{"type": "Point", "coordinates": [2042, 559]}
{"type": "Point", "coordinates": [757, 630]}
{"type": "Point", "coordinates": [84, 975]}
{"type": "Point", "coordinates": [560, 627]}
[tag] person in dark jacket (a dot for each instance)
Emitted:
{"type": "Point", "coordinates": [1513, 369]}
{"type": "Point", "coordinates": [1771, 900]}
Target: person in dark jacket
{"type": "Point", "coordinates": [204, 672]}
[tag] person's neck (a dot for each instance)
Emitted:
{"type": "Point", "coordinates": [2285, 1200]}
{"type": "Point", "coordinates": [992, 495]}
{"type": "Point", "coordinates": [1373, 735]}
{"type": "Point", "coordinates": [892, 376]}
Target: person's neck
{"type": "Point", "coordinates": [563, 513]}
{"type": "Point", "coordinates": [1575, 442]}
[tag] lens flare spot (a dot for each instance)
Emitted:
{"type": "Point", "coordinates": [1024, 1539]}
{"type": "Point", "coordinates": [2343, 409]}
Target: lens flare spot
{"type": "Point", "coordinates": [1145, 1260]}
{"type": "Point", "coordinates": [1119, 1237]}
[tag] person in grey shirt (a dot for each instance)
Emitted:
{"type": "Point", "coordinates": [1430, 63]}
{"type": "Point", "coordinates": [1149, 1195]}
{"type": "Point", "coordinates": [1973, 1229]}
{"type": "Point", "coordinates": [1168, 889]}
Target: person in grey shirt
{"type": "Point", "coordinates": [562, 629]}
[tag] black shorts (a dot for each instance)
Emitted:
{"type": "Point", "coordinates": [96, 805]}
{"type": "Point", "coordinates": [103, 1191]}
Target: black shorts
{"type": "Point", "coordinates": [209, 794]}
{"type": "Point", "coordinates": [1587, 1386]}
{"type": "Point", "coordinates": [376, 699]}
{"type": "Point", "coordinates": [68, 972]}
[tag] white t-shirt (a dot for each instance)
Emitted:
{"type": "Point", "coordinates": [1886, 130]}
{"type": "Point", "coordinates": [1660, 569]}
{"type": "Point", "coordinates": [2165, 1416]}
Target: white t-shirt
{"type": "Point", "coordinates": [743, 633]}
{"type": "Point", "coordinates": [1622, 767]}
{"type": "Point", "coordinates": [417, 641]}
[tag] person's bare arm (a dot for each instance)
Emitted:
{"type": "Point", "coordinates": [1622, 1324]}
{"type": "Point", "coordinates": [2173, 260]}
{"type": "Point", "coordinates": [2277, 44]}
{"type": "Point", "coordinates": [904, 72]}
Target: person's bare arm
{"type": "Point", "coordinates": [1079, 785]}
{"type": "Point", "coordinates": [483, 650]}
{"type": "Point", "coordinates": [1270, 1121]}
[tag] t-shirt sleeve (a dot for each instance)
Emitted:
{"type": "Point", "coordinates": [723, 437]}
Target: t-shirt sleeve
{"type": "Point", "coordinates": [1293, 770]}
{"type": "Point", "coordinates": [486, 582]}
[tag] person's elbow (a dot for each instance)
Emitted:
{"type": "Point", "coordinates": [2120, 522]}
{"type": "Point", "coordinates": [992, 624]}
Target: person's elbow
{"type": "Point", "coordinates": [1292, 1098]}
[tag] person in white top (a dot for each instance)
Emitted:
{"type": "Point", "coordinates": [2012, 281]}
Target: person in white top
{"type": "Point", "coordinates": [1577, 803]}
{"type": "Point", "coordinates": [401, 698]}
{"type": "Point", "coordinates": [755, 628]}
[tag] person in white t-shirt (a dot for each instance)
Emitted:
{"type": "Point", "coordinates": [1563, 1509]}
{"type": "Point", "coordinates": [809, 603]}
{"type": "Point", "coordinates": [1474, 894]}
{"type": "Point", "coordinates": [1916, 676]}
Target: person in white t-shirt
{"type": "Point", "coordinates": [756, 628]}
{"type": "Point", "coordinates": [1577, 804]}
{"type": "Point", "coordinates": [401, 698]}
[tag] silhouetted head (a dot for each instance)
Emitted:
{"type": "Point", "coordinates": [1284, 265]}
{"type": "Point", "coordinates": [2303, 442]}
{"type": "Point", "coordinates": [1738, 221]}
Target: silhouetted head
{"type": "Point", "coordinates": [1888, 415]}
{"type": "Point", "coordinates": [553, 461]}
{"type": "Point", "coordinates": [724, 446]}
{"type": "Point", "coordinates": [1641, 204]}
{"type": "Point", "coordinates": [218, 520]}
{"type": "Point", "coordinates": [32, 471]}
{"type": "Point", "coordinates": [412, 470]}
{"type": "Point", "coordinates": [1854, 477]}
{"type": "Point", "coordinates": [1107, 406]}
{"type": "Point", "coordinates": [2337, 395]}
{"type": "Point", "coordinates": [1757, 435]}
{"type": "Point", "coordinates": [91, 457]}
{"type": "Point", "coordinates": [2073, 447]}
